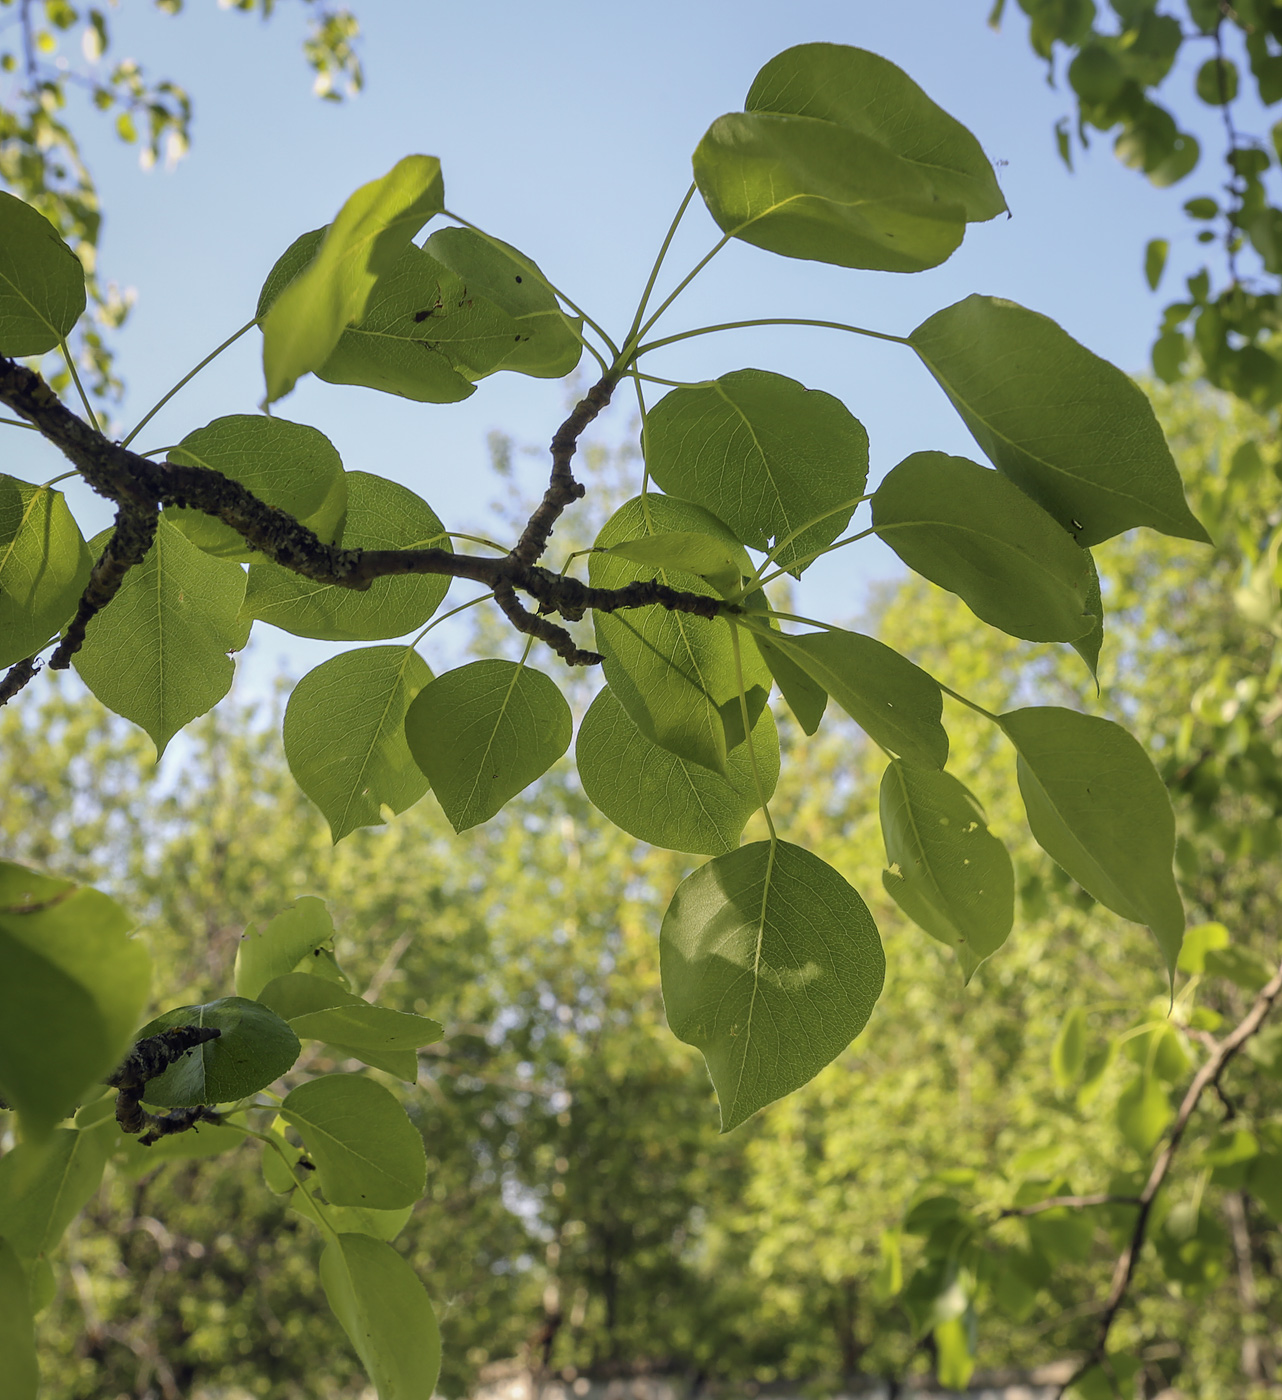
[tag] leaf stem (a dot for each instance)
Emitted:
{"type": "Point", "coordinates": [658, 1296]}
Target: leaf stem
{"type": "Point", "coordinates": [636, 350]}
{"type": "Point", "coordinates": [54, 480]}
{"type": "Point", "coordinates": [462, 607]}
{"type": "Point", "coordinates": [747, 739]}
{"type": "Point", "coordinates": [970, 704]}
{"type": "Point", "coordinates": [70, 361]}
{"type": "Point", "coordinates": [810, 558]}
{"type": "Point", "coordinates": [810, 525]}
{"type": "Point", "coordinates": [213, 354]}
{"type": "Point", "coordinates": [634, 329]}
{"type": "Point", "coordinates": [768, 321]}
{"type": "Point", "coordinates": [18, 423]}
{"type": "Point", "coordinates": [476, 539]}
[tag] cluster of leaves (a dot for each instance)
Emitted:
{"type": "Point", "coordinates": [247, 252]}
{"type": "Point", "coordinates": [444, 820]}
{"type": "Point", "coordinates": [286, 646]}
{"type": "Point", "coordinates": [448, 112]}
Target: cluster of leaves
{"type": "Point", "coordinates": [68, 1014]}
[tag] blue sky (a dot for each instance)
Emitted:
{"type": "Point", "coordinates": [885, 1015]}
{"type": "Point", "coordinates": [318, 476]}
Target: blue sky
{"type": "Point", "coordinates": [567, 129]}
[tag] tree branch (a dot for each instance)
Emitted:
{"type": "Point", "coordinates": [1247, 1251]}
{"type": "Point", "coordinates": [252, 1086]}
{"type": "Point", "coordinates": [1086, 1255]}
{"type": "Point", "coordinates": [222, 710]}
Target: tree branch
{"type": "Point", "coordinates": [1208, 1077]}
{"type": "Point", "coordinates": [141, 487]}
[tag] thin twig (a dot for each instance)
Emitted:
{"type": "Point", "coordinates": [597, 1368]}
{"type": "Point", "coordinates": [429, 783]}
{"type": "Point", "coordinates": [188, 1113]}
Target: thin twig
{"type": "Point", "coordinates": [16, 677]}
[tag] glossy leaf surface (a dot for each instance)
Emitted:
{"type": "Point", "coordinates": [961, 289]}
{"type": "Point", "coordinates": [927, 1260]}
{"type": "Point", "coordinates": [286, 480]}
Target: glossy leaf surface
{"type": "Point", "coordinates": [381, 514]}
{"type": "Point", "coordinates": [386, 1314]}
{"type": "Point", "coordinates": [776, 461]}
{"type": "Point", "coordinates": [294, 934]}
{"type": "Point", "coordinates": [1096, 805]}
{"type": "Point", "coordinates": [483, 733]}
{"type": "Point", "coordinates": [663, 799]}
{"type": "Point", "coordinates": [771, 965]}
{"type": "Point", "coordinates": [287, 465]}
{"type": "Point", "coordinates": [255, 1048]}
{"type": "Point", "coordinates": [42, 282]}
{"type": "Point", "coordinates": [367, 1152]}
{"type": "Point", "coordinates": [1069, 429]}
{"type": "Point", "coordinates": [344, 735]}
{"type": "Point", "coordinates": [947, 871]}
{"type": "Point", "coordinates": [974, 532]}
{"type": "Point", "coordinates": [73, 989]}
{"type": "Point", "coordinates": [366, 238]}
{"type": "Point", "coordinates": [674, 673]}
{"type": "Point", "coordinates": [177, 618]}
{"type": "Point", "coordinates": [44, 566]}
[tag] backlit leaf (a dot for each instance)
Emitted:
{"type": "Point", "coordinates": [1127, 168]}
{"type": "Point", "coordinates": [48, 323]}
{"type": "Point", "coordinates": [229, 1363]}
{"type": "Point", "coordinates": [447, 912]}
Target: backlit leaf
{"type": "Point", "coordinates": [20, 1373]}
{"type": "Point", "coordinates": [44, 1185]}
{"type": "Point", "coordinates": [710, 558]}
{"type": "Point", "coordinates": [320, 1010]}
{"type": "Point", "coordinates": [44, 566]}
{"type": "Point", "coordinates": [255, 1048]}
{"type": "Point", "coordinates": [295, 934]}
{"type": "Point", "coordinates": [42, 282]}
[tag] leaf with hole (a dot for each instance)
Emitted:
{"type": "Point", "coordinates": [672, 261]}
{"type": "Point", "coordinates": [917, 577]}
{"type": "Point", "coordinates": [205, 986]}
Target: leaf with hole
{"type": "Point", "coordinates": [484, 732]}
{"type": "Point", "coordinates": [255, 1048]}
{"type": "Point", "coordinates": [771, 965]}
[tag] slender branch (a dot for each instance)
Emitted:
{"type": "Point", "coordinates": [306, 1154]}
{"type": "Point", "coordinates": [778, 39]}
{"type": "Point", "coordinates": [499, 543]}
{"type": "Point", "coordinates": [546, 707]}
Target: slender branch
{"type": "Point", "coordinates": [1208, 1077]}
{"type": "Point", "coordinates": [18, 675]}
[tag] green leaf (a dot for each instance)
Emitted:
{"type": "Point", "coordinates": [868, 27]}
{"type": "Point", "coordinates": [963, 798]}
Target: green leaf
{"type": "Point", "coordinates": [198, 1143]}
{"type": "Point", "coordinates": [1143, 1111]}
{"type": "Point", "coordinates": [287, 465]}
{"type": "Point", "coordinates": [696, 553]}
{"type": "Point", "coordinates": [386, 1314]}
{"type": "Point", "coordinates": [894, 702]}
{"type": "Point", "coordinates": [177, 618]}
{"type": "Point", "coordinates": [1097, 806]}
{"type": "Point", "coordinates": [256, 1047]}
{"type": "Point", "coordinates": [344, 735]}
{"type": "Point", "coordinates": [44, 566]}
{"type": "Point", "coordinates": [771, 965]}
{"type": "Point", "coordinates": [955, 1360]}
{"type": "Point", "coordinates": [1155, 252]}
{"type": "Point", "coordinates": [355, 1220]}
{"type": "Point", "coordinates": [20, 1372]}
{"type": "Point", "coordinates": [674, 673]}
{"type": "Point", "coordinates": [1071, 430]}
{"type": "Point", "coordinates": [366, 238]}
{"type": "Point", "coordinates": [297, 932]}
{"type": "Point", "coordinates": [656, 796]}
{"type": "Point", "coordinates": [947, 871]}
{"type": "Point", "coordinates": [776, 461]}
{"type": "Point", "coordinates": [381, 514]}
{"type": "Point", "coordinates": [42, 282]}
{"type": "Point", "coordinates": [293, 261]}
{"type": "Point", "coordinates": [550, 346]}
{"type": "Point", "coordinates": [1217, 82]}
{"type": "Point", "coordinates": [73, 988]}
{"type": "Point", "coordinates": [1198, 942]}
{"type": "Point", "coordinates": [1068, 1054]}
{"type": "Point", "coordinates": [806, 698]}
{"type": "Point", "coordinates": [483, 733]}
{"type": "Point", "coordinates": [44, 1186]}
{"type": "Point", "coordinates": [975, 533]}
{"type": "Point", "coordinates": [424, 335]}
{"type": "Point", "coordinates": [366, 1150]}
{"type": "Point", "coordinates": [1088, 647]}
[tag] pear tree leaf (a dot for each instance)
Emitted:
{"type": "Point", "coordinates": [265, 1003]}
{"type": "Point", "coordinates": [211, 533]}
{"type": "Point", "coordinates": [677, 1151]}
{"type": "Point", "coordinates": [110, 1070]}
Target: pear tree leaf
{"type": "Point", "coordinates": [975, 533]}
{"type": "Point", "coordinates": [1143, 1112]}
{"type": "Point", "coordinates": [386, 1314]}
{"type": "Point", "coordinates": [771, 965]}
{"type": "Point", "coordinates": [1068, 1054]}
{"type": "Point", "coordinates": [20, 1374]}
{"type": "Point", "coordinates": [483, 733]}
{"type": "Point", "coordinates": [43, 1187]}
{"type": "Point", "coordinates": [947, 871]}
{"type": "Point", "coordinates": [73, 989]}
{"type": "Point", "coordinates": [255, 1048]}
{"type": "Point", "coordinates": [674, 673]}
{"type": "Point", "coordinates": [368, 235]}
{"type": "Point", "coordinates": [1069, 429]}
{"type": "Point", "coordinates": [44, 565]}
{"type": "Point", "coordinates": [176, 617]}
{"type": "Point", "coordinates": [1096, 805]}
{"type": "Point", "coordinates": [317, 1009]}
{"type": "Point", "coordinates": [806, 698]}
{"type": "Point", "coordinates": [42, 282]}
{"type": "Point", "coordinates": [381, 514]}
{"type": "Point", "coordinates": [287, 465]}
{"type": "Point", "coordinates": [344, 735]}
{"type": "Point", "coordinates": [665, 800]}
{"type": "Point", "coordinates": [776, 461]}
{"type": "Point", "coordinates": [294, 935]}
{"type": "Point", "coordinates": [1088, 647]}
{"type": "Point", "coordinates": [696, 553]}
{"type": "Point", "coordinates": [355, 1220]}
{"type": "Point", "coordinates": [366, 1150]}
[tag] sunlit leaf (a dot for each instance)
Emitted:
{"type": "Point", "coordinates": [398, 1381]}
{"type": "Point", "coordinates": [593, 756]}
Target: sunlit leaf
{"type": "Point", "coordinates": [44, 566]}
{"type": "Point", "coordinates": [42, 282]}
{"type": "Point", "coordinates": [295, 934]}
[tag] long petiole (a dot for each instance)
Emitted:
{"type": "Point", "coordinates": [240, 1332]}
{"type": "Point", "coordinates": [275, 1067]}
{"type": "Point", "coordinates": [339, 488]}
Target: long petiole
{"type": "Point", "coordinates": [18, 423]}
{"type": "Point", "coordinates": [809, 525]}
{"type": "Point", "coordinates": [810, 558]}
{"type": "Point", "coordinates": [213, 355]}
{"type": "Point", "coordinates": [634, 328]}
{"type": "Point", "coordinates": [645, 453]}
{"type": "Point", "coordinates": [678, 289]}
{"type": "Point", "coordinates": [462, 607]}
{"type": "Point", "coordinates": [478, 539]}
{"type": "Point", "coordinates": [970, 704]}
{"type": "Point", "coordinates": [667, 383]}
{"type": "Point", "coordinates": [54, 480]}
{"type": "Point", "coordinates": [69, 360]}
{"type": "Point", "coordinates": [556, 291]}
{"type": "Point", "coordinates": [769, 321]}
{"type": "Point", "coordinates": [747, 738]}
{"type": "Point", "coordinates": [749, 620]}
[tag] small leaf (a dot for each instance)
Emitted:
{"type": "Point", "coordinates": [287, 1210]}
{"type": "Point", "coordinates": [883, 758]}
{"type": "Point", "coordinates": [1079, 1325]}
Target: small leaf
{"type": "Point", "coordinates": [381, 514]}
{"type": "Point", "coordinates": [656, 796]}
{"type": "Point", "coordinates": [776, 461]}
{"type": "Point", "coordinates": [386, 1314]}
{"type": "Point", "coordinates": [1071, 430]}
{"type": "Point", "coordinates": [975, 533]}
{"type": "Point", "coordinates": [369, 233]}
{"type": "Point", "coordinates": [1068, 1054]}
{"type": "Point", "coordinates": [894, 702]}
{"type": "Point", "coordinates": [177, 618]}
{"type": "Point", "coordinates": [44, 1186]}
{"type": "Point", "coordinates": [947, 871]}
{"type": "Point", "coordinates": [1198, 942]}
{"type": "Point", "coordinates": [344, 735]}
{"type": "Point", "coordinates": [483, 733]}
{"type": "Point", "coordinates": [42, 282]}
{"type": "Point", "coordinates": [287, 465]}
{"type": "Point", "coordinates": [44, 566]}
{"type": "Point", "coordinates": [20, 1373]}
{"type": "Point", "coordinates": [1143, 1111]}
{"type": "Point", "coordinates": [294, 934]}
{"type": "Point", "coordinates": [1155, 252]}
{"type": "Point", "coordinates": [73, 988]}
{"type": "Point", "coordinates": [1097, 806]}
{"type": "Point", "coordinates": [256, 1047]}
{"type": "Point", "coordinates": [367, 1152]}
{"type": "Point", "coordinates": [771, 965]}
